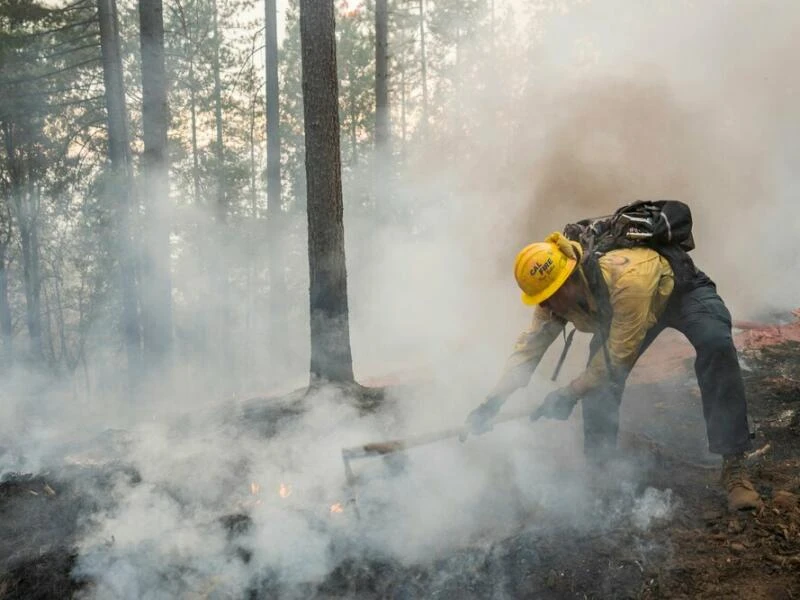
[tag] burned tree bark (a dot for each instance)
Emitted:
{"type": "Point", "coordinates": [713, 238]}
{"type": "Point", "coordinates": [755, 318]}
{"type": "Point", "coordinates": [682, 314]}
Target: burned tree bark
{"type": "Point", "coordinates": [331, 357]}
{"type": "Point", "coordinates": [279, 331]}
{"type": "Point", "coordinates": [155, 268]}
{"type": "Point", "coordinates": [121, 181]}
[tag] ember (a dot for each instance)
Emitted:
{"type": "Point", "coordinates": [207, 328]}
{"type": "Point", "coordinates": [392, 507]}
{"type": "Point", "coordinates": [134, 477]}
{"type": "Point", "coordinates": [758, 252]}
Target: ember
{"type": "Point", "coordinates": [659, 544]}
{"type": "Point", "coordinates": [284, 490]}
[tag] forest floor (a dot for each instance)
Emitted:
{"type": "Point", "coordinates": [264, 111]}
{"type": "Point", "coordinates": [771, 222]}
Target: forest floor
{"type": "Point", "coordinates": [701, 551]}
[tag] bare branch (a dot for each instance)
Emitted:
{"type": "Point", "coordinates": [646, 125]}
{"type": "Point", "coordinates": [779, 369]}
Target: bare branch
{"type": "Point", "coordinates": [83, 63]}
{"type": "Point", "coordinates": [71, 50]}
{"type": "Point", "coordinates": [76, 101]}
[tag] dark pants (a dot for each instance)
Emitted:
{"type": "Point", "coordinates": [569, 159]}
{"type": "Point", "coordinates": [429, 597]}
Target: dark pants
{"type": "Point", "coordinates": [701, 315]}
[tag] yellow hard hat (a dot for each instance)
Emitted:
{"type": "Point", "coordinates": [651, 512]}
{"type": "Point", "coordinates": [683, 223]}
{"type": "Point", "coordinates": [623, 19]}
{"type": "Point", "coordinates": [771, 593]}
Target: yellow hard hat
{"type": "Point", "coordinates": [542, 267]}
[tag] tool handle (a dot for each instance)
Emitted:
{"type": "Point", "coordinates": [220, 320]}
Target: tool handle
{"type": "Point", "coordinates": [392, 446]}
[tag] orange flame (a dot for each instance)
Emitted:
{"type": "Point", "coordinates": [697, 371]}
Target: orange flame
{"type": "Point", "coordinates": [284, 490]}
{"type": "Point", "coordinates": [255, 489]}
{"type": "Point", "coordinates": [337, 508]}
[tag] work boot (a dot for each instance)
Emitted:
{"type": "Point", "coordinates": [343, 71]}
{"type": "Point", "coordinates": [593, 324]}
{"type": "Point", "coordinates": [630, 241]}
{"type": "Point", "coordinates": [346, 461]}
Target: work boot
{"type": "Point", "coordinates": [741, 493]}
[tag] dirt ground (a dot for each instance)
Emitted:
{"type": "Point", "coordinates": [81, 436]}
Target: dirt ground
{"type": "Point", "coordinates": [702, 551]}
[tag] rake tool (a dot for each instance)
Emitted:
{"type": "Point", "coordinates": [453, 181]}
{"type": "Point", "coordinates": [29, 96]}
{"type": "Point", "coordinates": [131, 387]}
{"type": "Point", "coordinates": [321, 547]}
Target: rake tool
{"type": "Point", "coordinates": [400, 445]}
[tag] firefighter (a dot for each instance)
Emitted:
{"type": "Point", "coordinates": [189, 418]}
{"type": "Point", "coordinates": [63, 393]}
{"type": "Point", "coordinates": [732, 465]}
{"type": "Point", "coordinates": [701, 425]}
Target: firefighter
{"type": "Point", "coordinates": [625, 299]}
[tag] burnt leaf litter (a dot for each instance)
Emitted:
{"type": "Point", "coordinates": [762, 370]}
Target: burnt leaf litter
{"type": "Point", "coordinates": [700, 551]}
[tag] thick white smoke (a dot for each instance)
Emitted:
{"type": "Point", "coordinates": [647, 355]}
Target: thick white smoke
{"type": "Point", "coordinates": [613, 101]}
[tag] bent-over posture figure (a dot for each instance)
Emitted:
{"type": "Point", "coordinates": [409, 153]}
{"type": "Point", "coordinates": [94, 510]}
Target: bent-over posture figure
{"type": "Point", "coordinates": [625, 298]}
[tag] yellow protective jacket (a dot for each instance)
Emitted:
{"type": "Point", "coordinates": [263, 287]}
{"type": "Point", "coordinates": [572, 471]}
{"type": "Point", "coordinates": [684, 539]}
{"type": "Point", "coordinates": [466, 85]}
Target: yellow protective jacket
{"type": "Point", "coordinates": [639, 282]}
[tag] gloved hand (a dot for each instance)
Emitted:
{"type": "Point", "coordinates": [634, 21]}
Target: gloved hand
{"type": "Point", "coordinates": [480, 420]}
{"type": "Point", "coordinates": [558, 404]}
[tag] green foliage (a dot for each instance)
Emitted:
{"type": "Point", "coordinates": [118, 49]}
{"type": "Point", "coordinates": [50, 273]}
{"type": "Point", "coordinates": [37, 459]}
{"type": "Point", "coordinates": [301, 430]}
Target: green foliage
{"type": "Point", "coordinates": [191, 54]}
{"type": "Point", "coordinates": [51, 155]}
{"type": "Point", "coordinates": [53, 176]}
{"type": "Point", "coordinates": [291, 89]}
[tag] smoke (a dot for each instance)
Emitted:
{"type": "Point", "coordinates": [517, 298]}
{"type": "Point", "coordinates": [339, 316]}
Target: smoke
{"type": "Point", "coordinates": [688, 101]}
{"type": "Point", "coordinates": [614, 101]}
{"type": "Point", "coordinates": [653, 505]}
{"type": "Point", "coordinates": [216, 510]}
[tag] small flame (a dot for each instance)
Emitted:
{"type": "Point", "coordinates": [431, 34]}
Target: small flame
{"type": "Point", "coordinates": [337, 508]}
{"type": "Point", "coordinates": [284, 490]}
{"type": "Point", "coordinates": [255, 489]}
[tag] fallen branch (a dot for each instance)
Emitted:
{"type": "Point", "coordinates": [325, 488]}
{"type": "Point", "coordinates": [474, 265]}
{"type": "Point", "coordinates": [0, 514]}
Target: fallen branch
{"type": "Point", "coordinates": [760, 452]}
{"type": "Point", "coordinates": [784, 560]}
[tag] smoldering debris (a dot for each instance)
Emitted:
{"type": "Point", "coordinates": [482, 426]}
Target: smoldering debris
{"type": "Point", "coordinates": [653, 505]}
{"type": "Point", "coordinates": [218, 511]}
{"type": "Point", "coordinates": [41, 519]}
{"type": "Point", "coordinates": [194, 512]}
{"type": "Point", "coordinates": [134, 534]}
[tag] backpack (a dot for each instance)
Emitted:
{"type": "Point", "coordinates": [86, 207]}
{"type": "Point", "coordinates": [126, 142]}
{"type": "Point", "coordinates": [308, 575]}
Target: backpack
{"type": "Point", "coordinates": [663, 225]}
{"type": "Point", "coordinates": [657, 224]}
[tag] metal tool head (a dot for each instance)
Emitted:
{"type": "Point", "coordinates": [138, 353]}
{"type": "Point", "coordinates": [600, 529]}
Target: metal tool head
{"type": "Point", "coordinates": [350, 478]}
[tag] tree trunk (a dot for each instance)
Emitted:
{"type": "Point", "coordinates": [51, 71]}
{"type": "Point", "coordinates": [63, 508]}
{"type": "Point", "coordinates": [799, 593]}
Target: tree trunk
{"type": "Point", "coordinates": [120, 190]}
{"type": "Point", "coordinates": [202, 322]}
{"type": "Point", "coordinates": [62, 333]}
{"type": "Point", "coordinates": [219, 264]}
{"type": "Point", "coordinates": [118, 143]}
{"type": "Point", "coordinates": [458, 46]}
{"type": "Point", "coordinates": [28, 216]}
{"type": "Point", "coordinates": [52, 358]}
{"type": "Point", "coordinates": [188, 34]}
{"type": "Point", "coordinates": [30, 274]}
{"type": "Point", "coordinates": [381, 173]}
{"type": "Point", "coordinates": [6, 326]}
{"type": "Point", "coordinates": [403, 108]}
{"type": "Point", "coordinates": [352, 104]}
{"type": "Point", "coordinates": [251, 142]}
{"type": "Point", "coordinates": [252, 254]}
{"type": "Point", "coordinates": [424, 74]}
{"type": "Point", "coordinates": [5, 313]}
{"type": "Point", "coordinates": [86, 379]}
{"type": "Point", "coordinates": [331, 357]}
{"type": "Point", "coordinates": [278, 301]}
{"type": "Point", "coordinates": [195, 152]}
{"type": "Point", "coordinates": [382, 126]}
{"type": "Point", "coordinates": [222, 208]}
{"type": "Point", "coordinates": [155, 268]}
{"type": "Point", "coordinates": [22, 204]}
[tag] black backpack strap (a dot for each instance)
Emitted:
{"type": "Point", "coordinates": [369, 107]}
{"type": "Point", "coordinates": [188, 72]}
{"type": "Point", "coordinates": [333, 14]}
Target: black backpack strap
{"type": "Point", "coordinates": [562, 358]}
{"type": "Point", "coordinates": [602, 300]}
{"type": "Point", "coordinates": [590, 268]}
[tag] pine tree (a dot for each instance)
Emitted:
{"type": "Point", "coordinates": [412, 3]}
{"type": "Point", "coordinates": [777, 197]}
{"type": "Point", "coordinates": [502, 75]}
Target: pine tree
{"type": "Point", "coordinates": [331, 359]}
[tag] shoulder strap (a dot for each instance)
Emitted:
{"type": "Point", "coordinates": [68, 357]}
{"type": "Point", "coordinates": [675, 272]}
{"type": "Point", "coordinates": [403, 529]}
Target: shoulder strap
{"type": "Point", "coordinates": [562, 358]}
{"type": "Point", "coordinates": [602, 299]}
{"type": "Point", "coordinates": [590, 268]}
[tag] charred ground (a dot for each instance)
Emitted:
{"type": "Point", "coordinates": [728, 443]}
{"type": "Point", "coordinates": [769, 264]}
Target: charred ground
{"type": "Point", "coordinates": [700, 551]}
